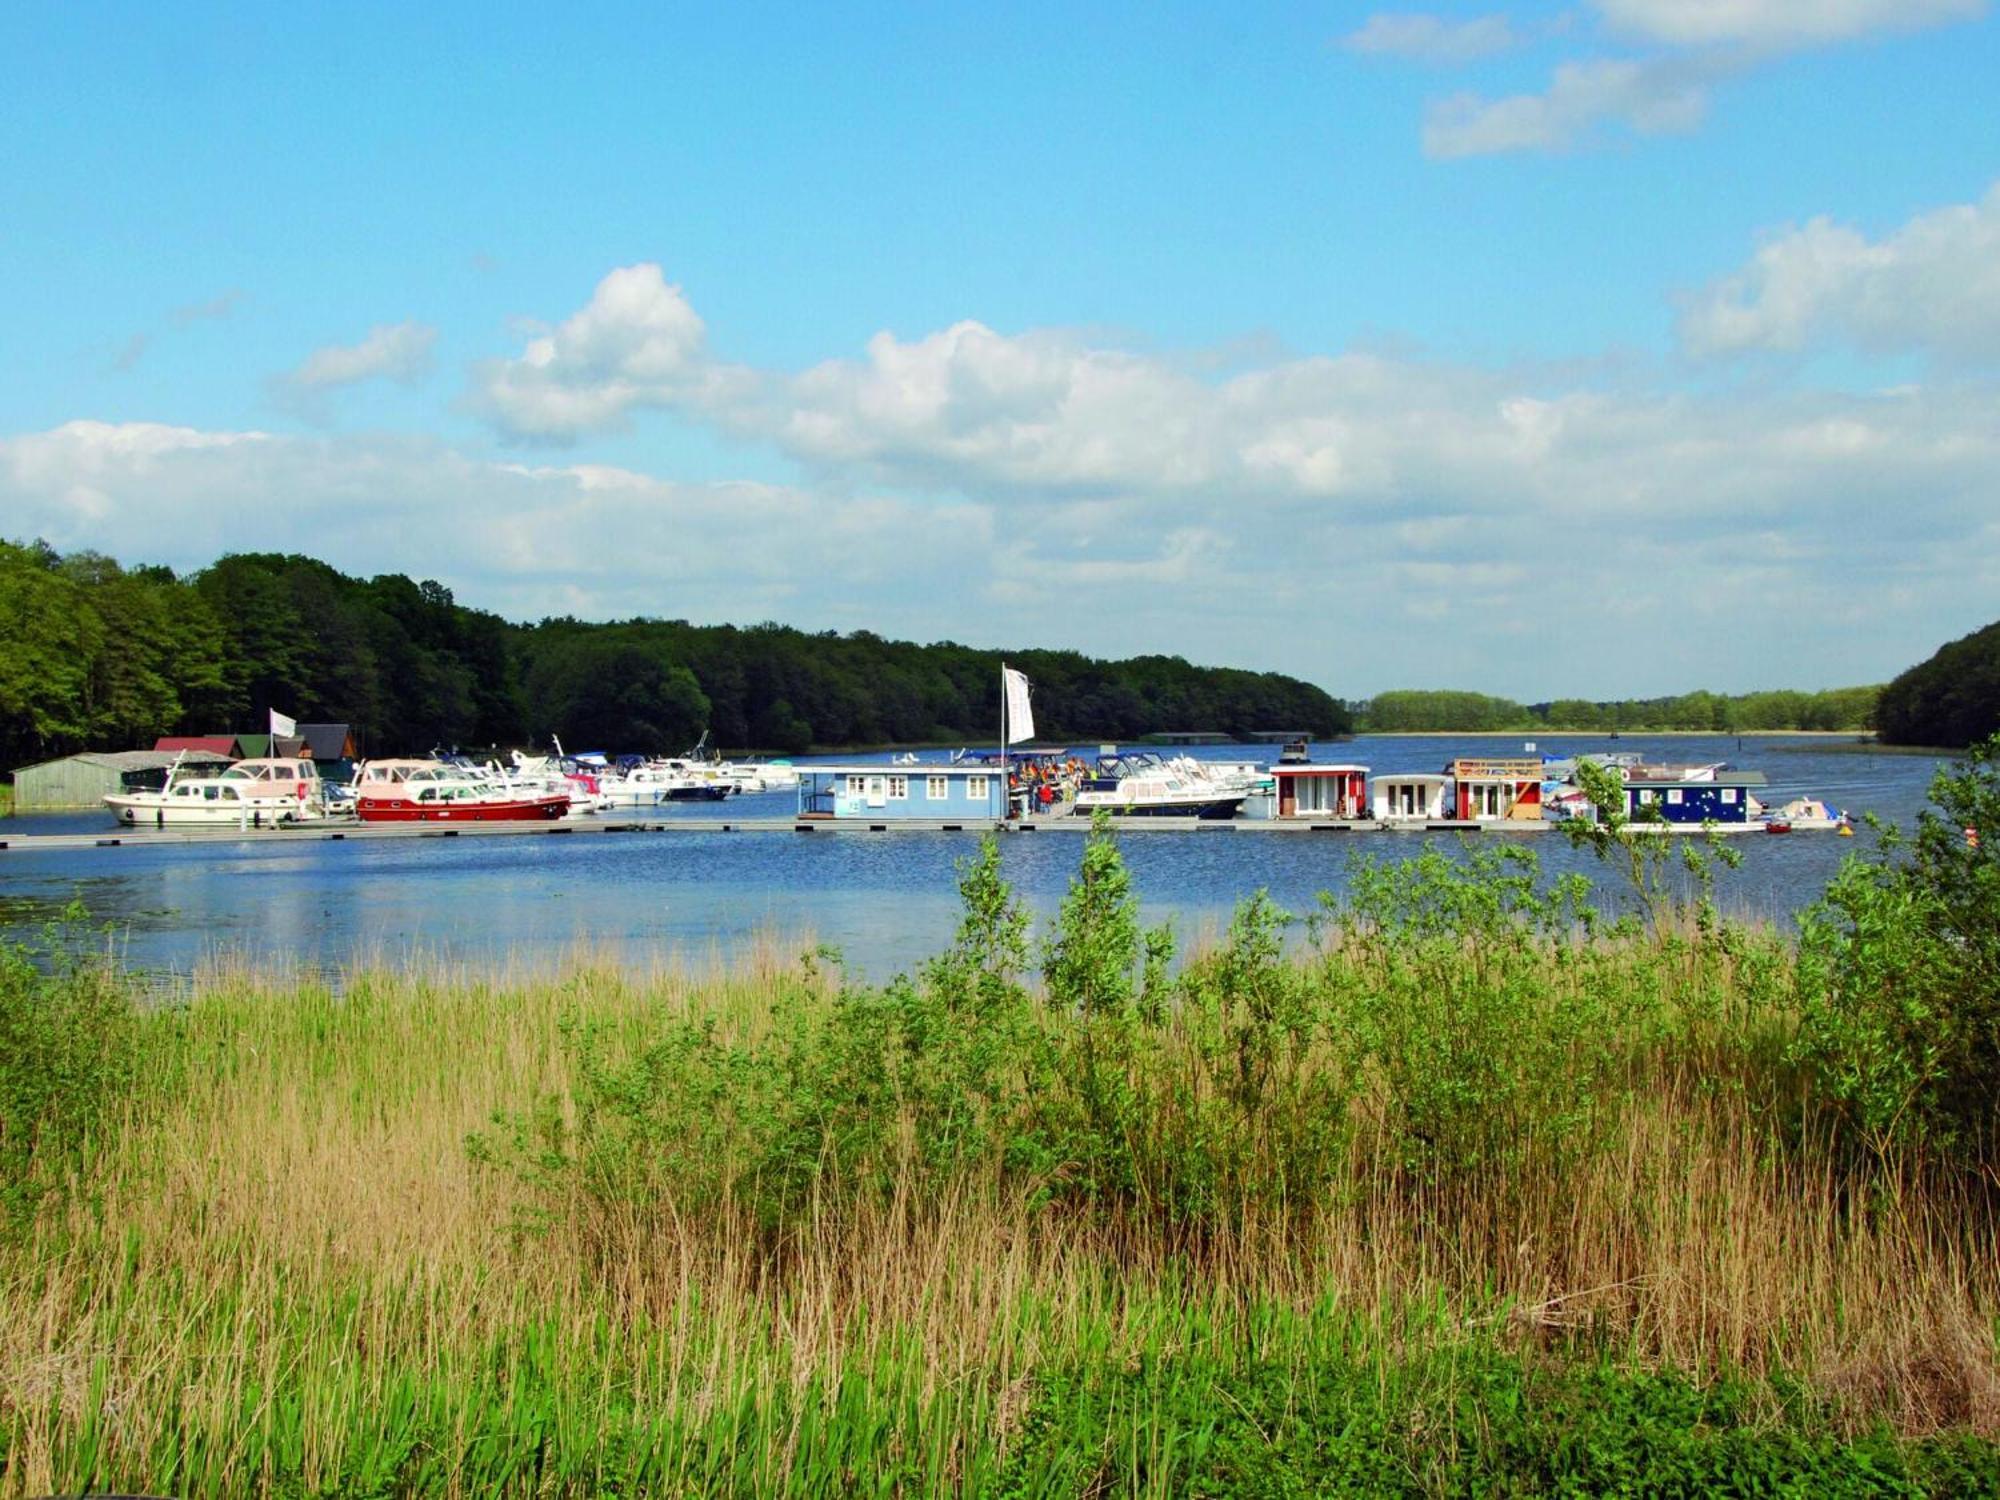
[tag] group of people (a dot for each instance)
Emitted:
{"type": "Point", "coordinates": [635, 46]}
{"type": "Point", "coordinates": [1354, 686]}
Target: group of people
{"type": "Point", "coordinates": [1046, 782]}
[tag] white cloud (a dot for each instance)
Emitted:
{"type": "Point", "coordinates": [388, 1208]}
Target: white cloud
{"type": "Point", "coordinates": [1932, 286]}
{"type": "Point", "coordinates": [527, 541]}
{"type": "Point", "coordinates": [1688, 47]}
{"type": "Point", "coordinates": [1659, 96]}
{"type": "Point", "coordinates": [636, 343]}
{"type": "Point", "coordinates": [1432, 39]}
{"type": "Point", "coordinates": [391, 351]}
{"type": "Point", "coordinates": [1777, 25]}
{"type": "Point", "coordinates": [1361, 520]}
{"type": "Point", "coordinates": [219, 306]}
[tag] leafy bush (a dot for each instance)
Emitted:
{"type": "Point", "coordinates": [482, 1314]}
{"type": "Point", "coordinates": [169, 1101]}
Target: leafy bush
{"type": "Point", "coordinates": [1899, 978]}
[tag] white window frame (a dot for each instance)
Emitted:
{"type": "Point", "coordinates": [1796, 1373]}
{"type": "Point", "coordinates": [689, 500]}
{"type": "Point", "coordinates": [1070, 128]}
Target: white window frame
{"type": "Point", "coordinates": [1729, 796]}
{"type": "Point", "coordinates": [857, 786]}
{"type": "Point", "coordinates": [899, 789]}
{"type": "Point", "coordinates": [1673, 796]}
{"type": "Point", "coordinates": [937, 788]}
{"type": "Point", "coordinates": [976, 789]}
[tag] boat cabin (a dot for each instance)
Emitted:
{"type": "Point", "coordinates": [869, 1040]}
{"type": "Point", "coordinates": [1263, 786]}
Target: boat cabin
{"type": "Point", "coordinates": [1497, 790]}
{"type": "Point", "coordinates": [1320, 791]}
{"type": "Point", "coordinates": [1411, 797]}
{"type": "Point", "coordinates": [883, 793]}
{"type": "Point", "coordinates": [1718, 797]}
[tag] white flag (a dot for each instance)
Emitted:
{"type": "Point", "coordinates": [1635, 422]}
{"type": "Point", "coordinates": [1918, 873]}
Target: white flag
{"type": "Point", "coordinates": [283, 728]}
{"type": "Point", "coordinates": [1020, 717]}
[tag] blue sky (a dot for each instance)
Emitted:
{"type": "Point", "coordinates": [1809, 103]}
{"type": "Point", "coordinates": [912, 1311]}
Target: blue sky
{"type": "Point", "coordinates": [1618, 347]}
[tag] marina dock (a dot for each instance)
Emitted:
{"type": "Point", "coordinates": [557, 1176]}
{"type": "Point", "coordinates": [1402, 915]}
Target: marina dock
{"type": "Point", "coordinates": [319, 833]}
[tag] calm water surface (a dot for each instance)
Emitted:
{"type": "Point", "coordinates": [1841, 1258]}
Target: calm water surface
{"type": "Point", "coordinates": [887, 900]}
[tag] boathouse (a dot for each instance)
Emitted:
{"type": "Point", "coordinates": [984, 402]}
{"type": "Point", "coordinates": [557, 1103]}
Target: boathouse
{"type": "Point", "coordinates": [1320, 791]}
{"type": "Point", "coordinates": [1721, 798]}
{"type": "Point", "coordinates": [1497, 791]}
{"type": "Point", "coordinates": [86, 780]}
{"type": "Point", "coordinates": [886, 793]}
{"type": "Point", "coordinates": [1411, 797]}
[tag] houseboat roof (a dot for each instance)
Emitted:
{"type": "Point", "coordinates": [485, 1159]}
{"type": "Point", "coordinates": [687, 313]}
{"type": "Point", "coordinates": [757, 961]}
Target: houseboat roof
{"type": "Point", "coordinates": [1723, 778]}
{"type": "Point", "coordinates": [1486, 768]}
{"type": "Point", "coordinates": [1013, 752]}
{"type": "Point", "coordinates": [1317, 768]}
{"type": "Point", "coordinates": [902, 768]}
{"type": "Point", "coordinates": [1427, 777]}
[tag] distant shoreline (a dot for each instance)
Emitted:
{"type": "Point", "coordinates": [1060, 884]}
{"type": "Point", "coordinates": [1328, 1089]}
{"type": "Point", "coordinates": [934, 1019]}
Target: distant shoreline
{"type": "Point", "coordinates": [1605, 734]}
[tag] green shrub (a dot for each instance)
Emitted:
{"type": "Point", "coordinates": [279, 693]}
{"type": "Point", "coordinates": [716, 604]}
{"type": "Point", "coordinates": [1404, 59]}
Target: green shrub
{"type": "Point", "coordinates": [1899, 978]}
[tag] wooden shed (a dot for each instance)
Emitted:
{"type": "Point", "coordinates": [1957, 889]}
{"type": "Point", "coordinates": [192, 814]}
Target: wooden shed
{"type": "Point", "coordinates": [85, 780]}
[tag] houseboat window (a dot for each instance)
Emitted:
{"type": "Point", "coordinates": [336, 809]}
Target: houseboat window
{"type": "Point", "coordinates": [975, 788]}
{"type": "Point", "coordinates": [899, 788]}
{"type": "Point", "coordinates": [1647, 796]}
{"type": "Point", "coordinates": [1729, 794]}
{"type": "Point", "coordinates": [1674, 797]}
{"type": "Point", "coordinates": [857, 786]}
{"type": "Point", "coordinates": [937, 788]}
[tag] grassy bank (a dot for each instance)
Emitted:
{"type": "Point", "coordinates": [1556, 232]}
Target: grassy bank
{"type": "Point", "coordinates": [1468, 1195]}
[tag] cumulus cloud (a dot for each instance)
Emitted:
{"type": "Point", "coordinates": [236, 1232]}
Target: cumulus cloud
{"type": "Point", "coordinates": [1432, 39]}
{"type": "Point", "coordinates": [392, 351]}
{"type": "Point", "coordinates": [1777, 25]}
{"type": "Point", "coordinates": [1418, 507]}
{"type": "Point", "coordinates": [593, 540]}
{"type": "Point", "coordinates": [636, 343]}
{"type": "Point", "coordinates": [1659, 96]}
{"type": "Point", "coordinates": [1932, 286]}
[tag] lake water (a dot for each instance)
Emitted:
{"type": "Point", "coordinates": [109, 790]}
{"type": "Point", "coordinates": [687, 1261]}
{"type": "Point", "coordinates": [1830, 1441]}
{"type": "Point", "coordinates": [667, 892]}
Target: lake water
{"type": "Point", "coordinates": [886, 900]}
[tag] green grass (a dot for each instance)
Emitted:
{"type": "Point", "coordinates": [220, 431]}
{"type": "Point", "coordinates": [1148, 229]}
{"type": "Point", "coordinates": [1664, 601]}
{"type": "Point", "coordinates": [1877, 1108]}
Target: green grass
{"type": "Point", "coordinates": [1460, 1194]}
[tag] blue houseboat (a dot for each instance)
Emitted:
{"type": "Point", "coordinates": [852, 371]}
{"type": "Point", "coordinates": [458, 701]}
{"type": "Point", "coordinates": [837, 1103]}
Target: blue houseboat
{"type": "Point", "coordinates": [1723, 798]}
{"type": "Point", "coordinates": [885, 792]}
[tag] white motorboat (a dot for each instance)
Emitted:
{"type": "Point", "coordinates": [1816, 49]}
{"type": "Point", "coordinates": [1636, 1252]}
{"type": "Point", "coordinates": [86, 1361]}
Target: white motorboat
{"type": "Point", "coordinates": [656, 783]}
{"type": "Point", "coordinates": [251, 793]}
{"type": "Point", "coordinates": [1144, 786]}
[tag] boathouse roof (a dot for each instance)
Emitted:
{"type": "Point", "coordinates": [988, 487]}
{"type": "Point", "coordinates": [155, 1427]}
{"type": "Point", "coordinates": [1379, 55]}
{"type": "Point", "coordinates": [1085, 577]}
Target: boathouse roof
{"type": "Point", "coordinates": [227, 745]}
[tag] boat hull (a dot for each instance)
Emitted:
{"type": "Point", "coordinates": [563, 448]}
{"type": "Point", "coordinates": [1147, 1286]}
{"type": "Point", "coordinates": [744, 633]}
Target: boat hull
{"type": "Point", "coordinates": [160, 815]}
{"type": "Point", "coordinates": [1213, 809]}
{"type": "Point", "coordinates": [523, 810]}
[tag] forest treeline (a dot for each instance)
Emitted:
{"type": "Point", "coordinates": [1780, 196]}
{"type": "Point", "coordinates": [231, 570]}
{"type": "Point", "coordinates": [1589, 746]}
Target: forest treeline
{"type": "Point", "coordinates": [1951, 699]}
{"type": "Point", "coordinates": [1409, 712]}
{"type": "Point", "coordinates": [95, 655]}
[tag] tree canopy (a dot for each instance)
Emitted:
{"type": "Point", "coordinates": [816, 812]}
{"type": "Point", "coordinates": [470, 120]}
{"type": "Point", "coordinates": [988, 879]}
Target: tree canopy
{"type": "Point", "coordinates": [1410, 712]}
{"type": "Point", "coordinates": [96, 655]}
{"type": "Point", "coordinates": [1951, 699]}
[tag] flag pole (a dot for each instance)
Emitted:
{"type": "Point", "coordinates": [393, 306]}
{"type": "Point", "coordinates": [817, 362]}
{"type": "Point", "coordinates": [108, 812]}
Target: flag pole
{"type": "Point", "coordinates": [1006, 792]}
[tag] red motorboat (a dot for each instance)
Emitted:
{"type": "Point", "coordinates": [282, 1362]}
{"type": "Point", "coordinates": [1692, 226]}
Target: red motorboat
{"type": "Point", "coordinates": [428, 791]}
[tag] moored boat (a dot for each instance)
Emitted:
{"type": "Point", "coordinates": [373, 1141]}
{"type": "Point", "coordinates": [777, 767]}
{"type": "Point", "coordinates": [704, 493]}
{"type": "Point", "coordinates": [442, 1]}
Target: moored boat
{"type": "Point", "coordinates": [253, 792]}
{"type": "Point", "coordinates": [429, 791]}
{"type": "Point", "coordinates": [1144, 786]}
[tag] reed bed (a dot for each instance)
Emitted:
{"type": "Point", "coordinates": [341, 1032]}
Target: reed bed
{"type": "Point", "coordinates": [1469, 1202]}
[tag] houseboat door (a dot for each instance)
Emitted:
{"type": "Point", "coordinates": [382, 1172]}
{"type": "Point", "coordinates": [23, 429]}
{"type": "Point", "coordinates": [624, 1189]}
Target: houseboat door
{"type": "Point", "coordinates": [878, 791]}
